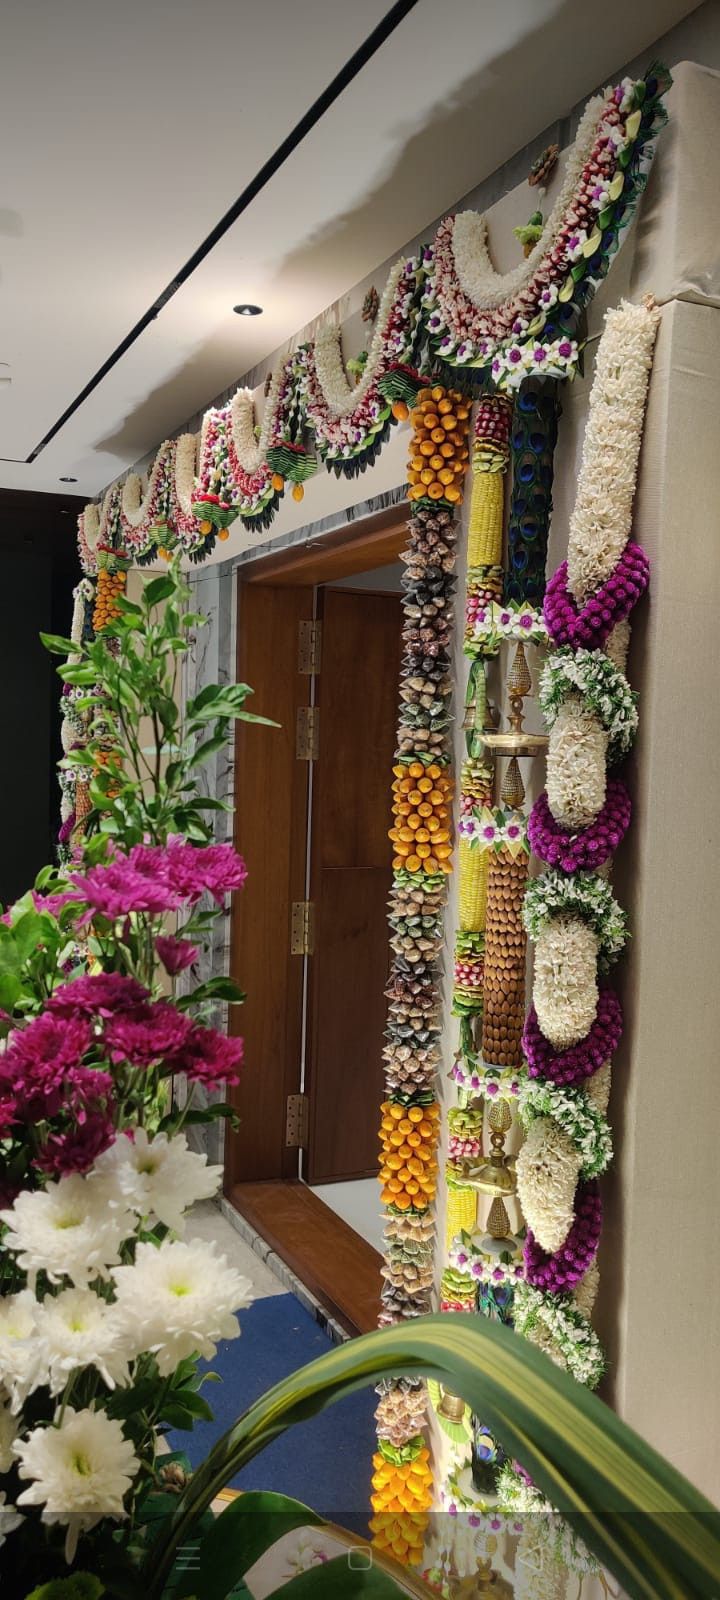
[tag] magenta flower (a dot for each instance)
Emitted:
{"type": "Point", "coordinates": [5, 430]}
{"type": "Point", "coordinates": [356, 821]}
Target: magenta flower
{"type": "Point", "coordinates": [99, 995]}
{"type": "Point", "coordinates": [176, 954]}
{"type": "Point", "coordinates": [195, 870]}
{"type": "Point", "coordinates": [561, 1272]}
{"type": "Point", "coordinates": [210, 1057]}
{"type": "Point", "coordinates": [53, 903]}
{"type": "Point", "coordinates": [38, 1059]}
{"type": "Point", "coordinates": [580, 1060]}
{"type": "Point", "coordinates": [591, 625]}
{"type": "Point", "coordinates": [124, 885]}
{"type": "Point", "coordinates": [77, 1147]}
{"type": "Point", "coordinates": [587, 848]}
{"type": "Point", "coordinates": [146, 1034]}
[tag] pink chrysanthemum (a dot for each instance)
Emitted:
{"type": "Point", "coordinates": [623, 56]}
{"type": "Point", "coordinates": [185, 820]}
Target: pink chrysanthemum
{"type": "Point", "coordinates": [146, 1034]}
{"type": "Point", "coordinates": [125, 885]}
{"type": "Point", "coordinates": [175, 954]}
{"type": "Point", "coordinates": [38, 1059]}
{"type": "Point", "coordinates": [198, 869]}
{"type": "Point", "coordinates": [210, 1057]}
{"type": "Point", "coordinates": [98, 995]}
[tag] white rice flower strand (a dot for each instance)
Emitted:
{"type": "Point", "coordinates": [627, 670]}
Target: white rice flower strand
{"type": "Point", "coordinates": [576, 781]}
{"type": "Point", "coordinates": [600, 523]}
{"type": "Point", "coordinates": [573, 1111]}
{"type": "Point", "coordinates": [547, 1170]}
{"type": "Point", "coordinates": [340, 397]}
{"type": "Point", "coordinates": [178, 1299]}
{"type": "Point", "coordinates": [158, 1178]}
{"type": "Point", "coordinates": [565, 987]}
{"type": "Point", "coordinates": [79, 1470]}
{"type": "Point", "coordinates": [477, 277]}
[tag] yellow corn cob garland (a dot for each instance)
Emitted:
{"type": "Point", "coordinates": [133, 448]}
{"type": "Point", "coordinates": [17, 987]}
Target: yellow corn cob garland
{"type": "Point", "coordinates": [402, 1477]}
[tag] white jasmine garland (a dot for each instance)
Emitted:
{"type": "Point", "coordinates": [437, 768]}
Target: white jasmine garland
{"type": "Point", "coordinates": [79, 1470]}
{"type": "Point", "coordinates": [477, 277]}
{"type": "Point", "coordinates": [184, 469]}
{"type": "Point", "coordinates": [573, 1111]}
{"type": "Point", "coordinates": [601, 521]}
{"type": "Point", "coordinates": [77, 1329]}
{"type": "Point", "coordinates": [575, 1345]}
{"type": "Point", "coordinates": [340, 398]}
{"type": "Point", "coordinates": [604, 690]}
{"type": "Point", "coordinates": [138, 509]}
{"type": "Point", "coordinates": [565, 986]}
{"type": "Point", "coordinates": [252, 451]}
{"type": "Point", "coordinates": [71, 1228]}
{"type": "Point", "coordinates": [158, 1178]}
{"type": "Point", "coordinates": [576, 781]}
{"type": "Point", "coordinates": [585, 1292]}
{"type": "Point", "coordinates": [547, 1169]}
{"type": "Point", "coordinates": [584, 894]}
{"type": "Point", "coordinates": [179, 1299]}
{"type": "Point", "coordinates": [597, 1089]}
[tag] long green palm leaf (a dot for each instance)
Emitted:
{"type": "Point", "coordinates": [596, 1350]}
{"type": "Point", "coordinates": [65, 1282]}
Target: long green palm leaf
{"type": "Point", "coordinates": [657, 1534]}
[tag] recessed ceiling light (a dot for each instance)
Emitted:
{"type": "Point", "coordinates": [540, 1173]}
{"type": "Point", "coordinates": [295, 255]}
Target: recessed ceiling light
{"type": "Point", "coordinates": [68, 480]}
{"type": "Point", "coordinates": [248, 311]}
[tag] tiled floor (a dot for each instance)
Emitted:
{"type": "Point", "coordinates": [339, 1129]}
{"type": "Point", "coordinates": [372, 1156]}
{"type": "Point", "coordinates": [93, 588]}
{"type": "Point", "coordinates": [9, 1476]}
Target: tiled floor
{"type": "Point", "coordinates": [206, 1221]}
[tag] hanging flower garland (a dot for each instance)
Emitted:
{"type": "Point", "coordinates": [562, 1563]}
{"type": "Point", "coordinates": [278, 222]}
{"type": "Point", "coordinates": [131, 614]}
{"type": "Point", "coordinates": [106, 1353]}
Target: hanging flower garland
{"type": "Point", "coordinates": [524, 323]}
{"type": "Point", "coordinates": [444, 304]}
{"type": "Point", "coordinates": [573, 1026]}
{"type": "Point", "coordinates": [402, 1479]}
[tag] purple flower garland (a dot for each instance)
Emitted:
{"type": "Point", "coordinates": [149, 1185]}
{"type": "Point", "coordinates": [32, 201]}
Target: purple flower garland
{"type": "Point", "coordinates": [586, 849]}
{"type": "Point", "coordinates": [589, 627]}
{"type": "Point", "coordinates": [581, 1060]}
{"type": "Point", "coordinates": [562, 1271]}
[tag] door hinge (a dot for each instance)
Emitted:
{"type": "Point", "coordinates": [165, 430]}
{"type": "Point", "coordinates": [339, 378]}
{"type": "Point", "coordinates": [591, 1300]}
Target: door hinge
{"type": "Point", "coordinates": [302, 928]}
{"type": "Point", "coordinates": [296, 1122]}
{"type": "Point", "coordinates": [309, 647]}
{"type": "Point", "coordinates": [307, 733]}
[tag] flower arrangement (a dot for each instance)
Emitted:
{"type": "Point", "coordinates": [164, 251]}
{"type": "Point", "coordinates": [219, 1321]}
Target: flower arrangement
{"type": "Point", "coordinates": [105, 1305]}
{"type": "Point", "coordinates": [575, 1025]}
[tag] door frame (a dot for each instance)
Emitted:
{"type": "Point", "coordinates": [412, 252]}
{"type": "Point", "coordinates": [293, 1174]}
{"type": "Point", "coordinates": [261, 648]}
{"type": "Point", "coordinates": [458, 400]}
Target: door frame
{"type": "Point", "coordinates": [325, 1256]}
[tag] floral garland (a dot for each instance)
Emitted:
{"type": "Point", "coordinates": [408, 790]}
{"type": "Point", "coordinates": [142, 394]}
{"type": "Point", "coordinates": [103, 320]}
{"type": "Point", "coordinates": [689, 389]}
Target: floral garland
{"type": "Point", "coordinates": [444, 304]}
{"type": "Point", "coordinates": [574, 1026]}
{"type": "Point", "coordinates": [402, 1478]}
{"type": "Point", "coordinates": [477, 318]}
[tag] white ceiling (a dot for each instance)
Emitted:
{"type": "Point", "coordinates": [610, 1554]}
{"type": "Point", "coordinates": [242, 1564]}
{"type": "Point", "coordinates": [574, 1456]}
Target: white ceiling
{"type": "Point", "coordinates": [134, 126]}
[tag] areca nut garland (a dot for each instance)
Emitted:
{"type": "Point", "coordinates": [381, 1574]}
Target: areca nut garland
{"type": "Point", "coordinates": [402, 1477]}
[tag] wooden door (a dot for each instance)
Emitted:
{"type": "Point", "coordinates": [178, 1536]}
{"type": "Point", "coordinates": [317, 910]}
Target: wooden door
{"type": "Point", "coordinates": [357, 695]}
{"type": "Point", "coordinates": [271, 791]}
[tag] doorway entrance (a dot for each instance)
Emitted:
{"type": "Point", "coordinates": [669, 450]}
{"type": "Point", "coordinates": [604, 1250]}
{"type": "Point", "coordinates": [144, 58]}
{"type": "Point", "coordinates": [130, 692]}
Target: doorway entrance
{"type": "Point", "coordinates": [319, 636]}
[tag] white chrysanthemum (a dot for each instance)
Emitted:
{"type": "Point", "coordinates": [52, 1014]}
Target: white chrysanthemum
{"type": "Point", "coordinates": [81, 1471]}
{"type": "Point", "coordinates": [178, 1299]}
{"type": "Point", "coordinates": [565, 989]}
{"type": "Point", "coordinates": [71, 1228]}
{"type": "Point", "coordinates": [76, 1329]}
{"type": "Point", "coordinates": [9, 1518]}
{"type": "Point", "coordinates": [600, 522]}
{"type": "Point", "coordinates": [18, 1349]}
{"type": "Point", "coordinates": [159, 1178]}
{"type": "Point", "coordinates": [576, 765]}
{"type": "Point", "coordinates": [8, 1435]}
{"type": "Point", "coordinates": [547, 1173]}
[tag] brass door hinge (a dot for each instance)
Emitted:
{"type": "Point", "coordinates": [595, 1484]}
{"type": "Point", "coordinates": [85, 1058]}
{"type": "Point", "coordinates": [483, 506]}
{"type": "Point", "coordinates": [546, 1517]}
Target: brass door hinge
{"type": "Point", "coordinates": [302, 928]}
{"type": "Point", "coordinates": [309, 647]}
{"type": "Point", "coordinates": [296, 1122]}
{"type": "Point", "coordinates": [307, 733]}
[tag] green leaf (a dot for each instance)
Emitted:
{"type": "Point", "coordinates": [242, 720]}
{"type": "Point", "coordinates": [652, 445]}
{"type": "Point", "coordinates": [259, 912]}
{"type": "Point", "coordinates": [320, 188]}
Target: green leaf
{"type": "Point", "coordinates": [214, 989]}
{"type": "Point", "coordinates": [158, 589]}
{"type": "Point", "coordinates": [655, 1532]}
{"type": "Point", "coordinates": [10, 991]}
{"type": "Point", "coordinates": [242, 1533]}
{"type": "Point", "coordinates": [178, 1416]}
{"type": "Point", "coordinates": [57, 645]}
{"type": "Point", "coordinates": [219, 741]}
{"type": "Point", "coordinates": [338, 1580]}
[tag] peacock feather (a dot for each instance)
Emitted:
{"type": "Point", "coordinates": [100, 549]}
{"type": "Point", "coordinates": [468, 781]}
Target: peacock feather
{"type": "Point", "coordinates": [533, 437]}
